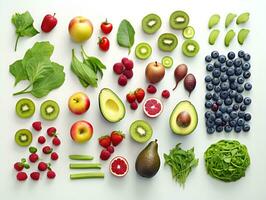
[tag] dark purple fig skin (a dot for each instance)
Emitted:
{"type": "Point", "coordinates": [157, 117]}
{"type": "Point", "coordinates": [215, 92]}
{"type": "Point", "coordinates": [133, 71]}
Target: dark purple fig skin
{"type": "Point", "coordinates": [180, 73]}
{"type": "Point", "coordinates": [190, 83]}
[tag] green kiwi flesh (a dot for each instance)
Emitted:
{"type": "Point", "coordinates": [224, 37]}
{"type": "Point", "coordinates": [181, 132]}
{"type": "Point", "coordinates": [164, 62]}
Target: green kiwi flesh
{"type": "Point", "coordinates": [179, 20]}
{"type": "Point", "coordinates": [140, 131]}
{"type": "Point", "coordinates": [143, 51]}
{"type": "Point", "coordinates": [49, 110]}
{"type": "Point", "coordinates": [167, 42]}
{"type": "Point", "coordinates": [151, 23]}
{"type": "Point", "coordinates": [23, 137]}
{"type": "Point", "coordinates": [25, 108]}
{"type": "Point", "coordinates": [190, 48]}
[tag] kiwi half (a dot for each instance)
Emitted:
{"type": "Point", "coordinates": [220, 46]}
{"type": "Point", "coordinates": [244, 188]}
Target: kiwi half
{"type": "Point", "coordinates": [140, 131]}
{"type": "Point", "coordinates": [143, 51]}
{"type": "Point", "coordinates": [25, 108]}
{"type": "Point", "coordinates": [49, 110]}
{"type": "Point", "coordinates": [23, 137]}
{"type": "Point", "coordinates": [151, 23]}
{"type": "Point", "coordinates": [190, 48]}
{"type": "Point", "coordinates": [167, 61]}
{"type": "Point", "coordinates": [188, 32]}
{"type": "Point", "coordinates": [167, 42]}
{"type": "Point", "coordinates": [179, 20]}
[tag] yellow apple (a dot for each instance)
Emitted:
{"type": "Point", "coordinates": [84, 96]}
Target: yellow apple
{"type": "Point", "coordinates": [79, 103]}
{"type": "Point", "coordinates": [81, 131]}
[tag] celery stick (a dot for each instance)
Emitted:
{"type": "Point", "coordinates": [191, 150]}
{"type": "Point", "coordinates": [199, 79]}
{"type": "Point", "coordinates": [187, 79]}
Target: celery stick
{"type": "Point", "coordinates": [80, 157]}
{"type": "Point", "coordinates": [87, 175]}
{"type": "Point", "coordinates": [85, 166]}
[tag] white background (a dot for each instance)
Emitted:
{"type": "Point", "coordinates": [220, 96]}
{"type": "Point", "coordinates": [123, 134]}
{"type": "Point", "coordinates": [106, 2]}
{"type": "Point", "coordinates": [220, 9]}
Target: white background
{"type": "Point", "coordinates": [199, 185]}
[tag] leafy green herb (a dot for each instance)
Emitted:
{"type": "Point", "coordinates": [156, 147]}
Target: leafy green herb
{"type": "Point", "coordinates": [125, 35]}
{"type": "Point", "coordinates": [36, 67]}
{"type": "Point", "coordinates": [87, 70]}
{"type": "Point", "coordinates": [24, 26]}
{"type": "Point", "coordinates": [181, 163]}
{"type": "Point", "coordinates": [227, 160]}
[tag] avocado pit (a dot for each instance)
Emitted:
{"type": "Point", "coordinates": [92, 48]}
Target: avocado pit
{"type": "Point", "coordinates": [183, 119]}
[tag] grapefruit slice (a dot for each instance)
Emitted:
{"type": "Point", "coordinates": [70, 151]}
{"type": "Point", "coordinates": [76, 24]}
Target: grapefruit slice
{"type": "Point", "coordinates": [152, 107]}
{"type": "Point", "coordinates": [119, 166]}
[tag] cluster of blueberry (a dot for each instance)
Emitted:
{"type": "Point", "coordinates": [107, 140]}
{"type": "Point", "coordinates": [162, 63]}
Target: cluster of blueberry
{"type": "Point", "coordinates": [226, 82]}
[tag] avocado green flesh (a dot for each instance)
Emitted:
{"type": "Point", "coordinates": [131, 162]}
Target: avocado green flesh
{"type": "Point", "coordinates": [111, 106]}
{"type": "Point", "coordinates": [180, 107]}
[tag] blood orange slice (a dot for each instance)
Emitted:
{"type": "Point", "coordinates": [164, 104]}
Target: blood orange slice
{"type": "Point", "coordinates": [152, 107]}
{"type": "Point", "coordinates": [119, 166]}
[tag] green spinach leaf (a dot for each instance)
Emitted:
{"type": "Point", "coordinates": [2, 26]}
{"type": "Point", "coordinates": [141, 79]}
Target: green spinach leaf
{"type": "Point", "coordinates": [18, 71]}
{"type": "Point", "coordinates": [125, 35]}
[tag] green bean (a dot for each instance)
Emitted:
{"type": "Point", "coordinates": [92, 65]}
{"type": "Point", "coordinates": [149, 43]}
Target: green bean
{"type": "Point", "coordinates": [87, 175]}
{"type": "Point", "coordinates": [229, 19]}
{"type": "Point", "coordinates": [213, 36]}
{"type": "Point", "coordinates": [243, 18]}
{"type": "Point", "coordinates": [229, 37]}
{"type": "Point", "coordinates": [214, 19]}
{"type": "Point", "coordinates": [242, 35]}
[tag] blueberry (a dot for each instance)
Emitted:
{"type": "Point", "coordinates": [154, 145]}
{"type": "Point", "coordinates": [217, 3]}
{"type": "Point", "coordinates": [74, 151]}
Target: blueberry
{"type": "Point", "coordinates": [229, 110]}
{"type": "Point", "coordinates": [247, 101]}
{"type": "Point", "coordinates": [208, 104]}
{"type": "Point", "coordinates": [216, 73]}
{"type": "Point", "coordinates": [223, 109]}
{"type": "Point", "coordinates": [208, 114]}
{"type": "Point", "coordinates": [235, 107]}
{"type": "Point", "coordinates": [237, 62]}
{"type": "Point", "coordinates": [226, 117]}
{"type": "Point", "coordinates": [218, 121]}
{"type": "Point", "coordinates": [232, 94]}
{"type": "Point", "coordinates": [233, 115]}
{"type": "Point", "coordinates": [232, 123]}
{"type": "Point", "coordinates": [228, 101]}
{"type": "Point", "coordinates": [225, 86]}
{"type": "Point", "coordinates": [219, 129]}
{"type": "Point", "coordinates": [215, 81]}
{"type": "Point", "coordinates": [241, 114]}
{"type": "Point", "coordinates": [208, 58]}
{"type": "Point", "coordinates": [217, 88]}
{"type": "Point", "coordinates": [246, 74]}
{"type": "Point", "coordinates": [209, 67]}
{"type": "Point", "coordinates": [241, 54]}
{"type": "Point", "coordinates": [238, 98]}
{"type": "Point", "coordinates": [240, 89]}
{"type": "Point", "coordinates": [224, 94]}
{"type": "Point", "coordinates": [210, 130]}
{"type": "Point", "coordinates": [215, 54]}
{"type": "Point", "coordinates": [208, 78]}
{"type": "Point", "coordinates": [223, 77]}
{"type": "Point", "coordinates": [218, 114]}
{"type": "Point", "coordinates": [247, 117]}
{"type": "Point", "coordinates": [223, 68]}
{"type": "Point", "coordinates": [209, 87]}
{"type": "Point", "coordinates": [233, 86]}
{"type": "Point", "coordinates": [230, 71]}
{"type": "Point", "coordinates": [222, 59]}
{"type": "Point", "coordinates": [246, 57]}
{"type": "Point", "coordinates": [232, 79]}
{"type": "Point", "coordinates": [246, 66]}
{"type": "Point", "coordinates": [209, 123]}
{"type": "Point", "coordinates": [246, 128]}
{"type": "Point", "coordinates": [231, 55]}
{"type": "Point", "coordinates": [248, 86]}
{"type": "Point", "coordinates": [215, 97]}
{"type": "Point", "coordinates": [228, 128]}
{"type": "Point", "coordinates": [229, 63]}
{"type": "Point", "coordinates": [208, 96]}
{"type": "Point", "coordinates": [219, 102]}
{"type": "Point", "coordinates": [243, 107]}
{"type": "Point", "coordinates": [237, 129]}
{"type": "Point", "coordinates": [240, 80]}
{"type": "Point", "coordinates": [217, 64]}
{"type": "Point", "coordinates": [240, 122]}
{"type": "Point", "coordinates": [238, 71]}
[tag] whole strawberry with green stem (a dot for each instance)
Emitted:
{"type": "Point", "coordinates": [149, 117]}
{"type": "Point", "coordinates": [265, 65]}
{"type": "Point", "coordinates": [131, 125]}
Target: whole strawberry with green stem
{"type": "Point", "coordinates": [117, 137]}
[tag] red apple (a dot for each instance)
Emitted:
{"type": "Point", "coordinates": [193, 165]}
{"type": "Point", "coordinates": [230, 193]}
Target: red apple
{"type": "Point", "coordinates": [80, 29]}
{"type": "Point", "coordinates": [79, 103]}
{"type": "Point", "coordinates": [81, 131]}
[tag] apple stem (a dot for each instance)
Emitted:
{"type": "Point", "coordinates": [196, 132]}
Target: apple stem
{"type": "Point", "coordinates": [54, 14]}
{"type": "Point", "coordinates": [156, 64]}
{"type": "Point", "coordinates": [106, 22]}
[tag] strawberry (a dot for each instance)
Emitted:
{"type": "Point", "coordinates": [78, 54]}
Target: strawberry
{"type": "Point", "coordinates": [105, 154]}
{"type": "Point", "coordinates": [37, 125]}
{"type": "Point", "coordinates": [140, 94]}
{"type": "Point", "coordinates": [110, 149]}
{"type": "Point", "coordinates": [22, 176]}
{"type": "Point", "coordinates": [54, 156]}
{"type": "Point", "coordinates": [151, 89]}
{"type": "Point", "coordinates": [42, 166]}
{"type": "Point", "coordinates": [51, 131]}
{"type": "Point", "coordinates": [105, 141]}
{"type": "Point", "coordinates": [56, 141]}
{"type": "Point", "coordinates": [35, 176]}
{"type": "Point", "coordinates": [19, 166]}
{"type": "Point", "coordinates": [117, 137]}
{"type": "Point", "coordinates": [51, 174]}
{"type": "Point", "coordinates": [131, 97]}
{"type": "Point", "coordinates": [33, 157]}
{"type": "Point", "coordinates": [47, 150]}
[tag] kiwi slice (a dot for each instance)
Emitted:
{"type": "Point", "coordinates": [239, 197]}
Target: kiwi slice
{"type": "Point", "coordinates": [140, 131]}
{"type": "Point", "coordinates": [143, 51]}
{"type": "Point", "coordinates": [151, 23]}
{"type": "Point", "coordinates": [179, 20]}
{"type": "Point", "coordinates": [167, 61]}
{"type": "Point", "coordinates": [167, 42]}
{"type": "Point", "coordinates": [188, 32]}
{"type": "Point", "coordinates": [23, 137]}
{"type": "Point", "coordinates": [190, 48]}
{"type": "Point", "coordinates": [25, 108]}
{"type": "Point", "coordinates": [49, 110]}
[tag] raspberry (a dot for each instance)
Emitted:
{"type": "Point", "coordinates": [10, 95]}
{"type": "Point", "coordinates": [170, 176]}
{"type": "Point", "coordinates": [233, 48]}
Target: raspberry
{"type": "Point", "coordinates": [33, 157]}
{"type": "Point", "coordinates": [51, 131]}
{"type": "Point", "coordinates": [118, 68]}
{"type": "Point", "coordinates": [122, 80]}
{"type": "Point", "coordinates": [128, 73]}
{"type": "Point", "coordinates": [18, 166]}
{"type": "Point", "coordinates": [22, 176]}
{"type": "Point", "coordinates": [165, 94]}
{"type": "Point", "coordinates": [110, 149]}
{"type": "Point", "coordinates": [47, 150]}
{"type": "Point", "coordinates": [151, 89]}
{"type": "Point", "coordinates": [41, 140]}
{"type": "Point", "coordinates": [51, 174]}
{"type": "Point", "coordinates": [54, 156]}
{"type": "Point", "coordinates": [105, 155]}
{"type": "Point", "coordinates": [42, 166]}
{"type": "Point", "coordinates": [124, 60]}
{"type": "Point", "coordinates": [128, 63]}
{"type": "Point", "coordinates": [134, 106]}
{"type": "Point", "coordinates": [35, 176]}
{"type": "Point", "coordinates": [37, 125]}
{"type": "Point", "coordinates": [56, 141]}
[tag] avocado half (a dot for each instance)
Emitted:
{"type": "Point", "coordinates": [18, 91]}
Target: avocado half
{"type": "Point", "coordinates": [183, 106]}
{"type": "Point", "coordinates": [111, 106]}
